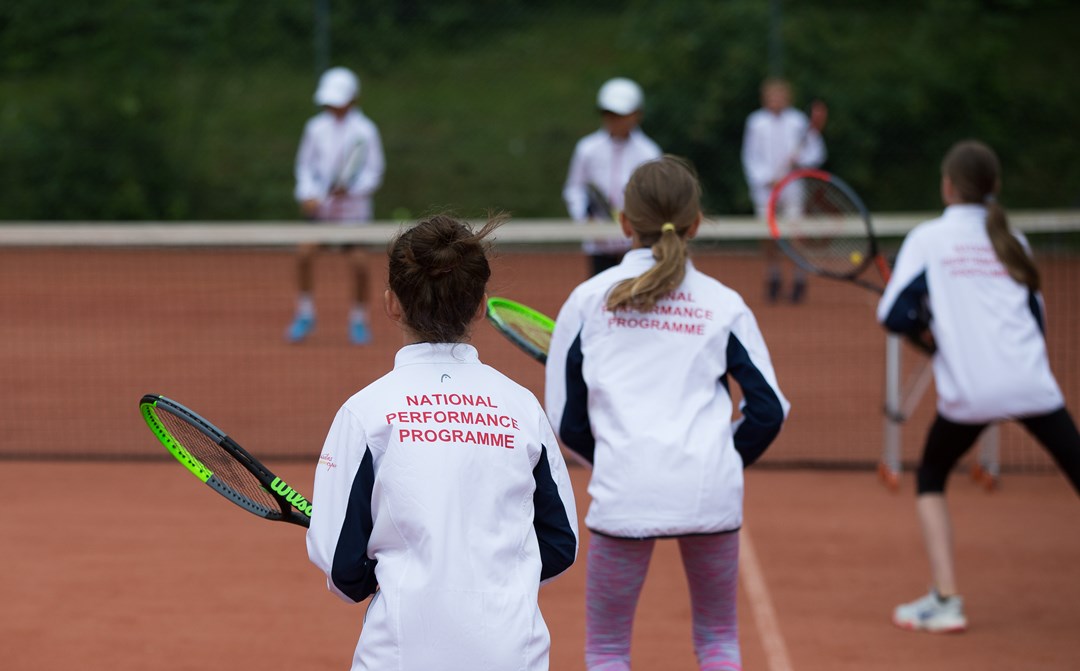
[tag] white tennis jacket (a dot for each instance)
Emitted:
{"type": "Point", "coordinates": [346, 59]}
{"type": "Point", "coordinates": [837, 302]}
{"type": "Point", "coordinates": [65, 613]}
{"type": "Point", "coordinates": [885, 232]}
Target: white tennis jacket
{"type": "Point", "coordinates": [324, 150]}
{"type": "Point", "coordinates": [644, 399]}
{"type": "Point", "coordinates": [607, 163]}
{"type": "Point", "coordinates": [991, 362]}
{"type": "Point", "coordinates": [442, 484]}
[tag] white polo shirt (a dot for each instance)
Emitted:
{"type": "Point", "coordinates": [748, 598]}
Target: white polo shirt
{"type": "Point", "coordinates": [443, 484]}
{"type": "Point", "coordinates": [644, 398]}
{"type": "Point", "coordinates": [991, 362]}
{"type": "Point", "coordinates": [324, 149]}
{"type": "Point", "coordinates": [773, 145]}
{"type": "Point", "coordinates": [607, 163]}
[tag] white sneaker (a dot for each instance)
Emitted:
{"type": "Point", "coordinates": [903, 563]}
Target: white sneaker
{"type": "Point", "coordinates": [933, 614]}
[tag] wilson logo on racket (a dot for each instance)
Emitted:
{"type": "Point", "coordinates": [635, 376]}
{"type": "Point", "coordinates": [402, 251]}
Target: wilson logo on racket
{"type": "Point", "coordinates": [291, 495]}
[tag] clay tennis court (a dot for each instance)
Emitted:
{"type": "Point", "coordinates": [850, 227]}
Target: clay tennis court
{"type": "Point", "coordinates": [118, 559]}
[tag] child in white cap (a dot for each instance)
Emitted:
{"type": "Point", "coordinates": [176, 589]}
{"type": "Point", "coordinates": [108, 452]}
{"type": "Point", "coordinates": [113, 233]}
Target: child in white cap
{"type": "Point", "coordinates": [605, 160]}
{"type": "Point", "coordinates": [339, 166]}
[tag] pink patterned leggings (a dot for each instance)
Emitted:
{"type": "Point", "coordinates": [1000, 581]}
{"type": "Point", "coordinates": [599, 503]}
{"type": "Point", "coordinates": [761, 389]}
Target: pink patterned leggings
{"type": "Point", "coordinates": [615, 574]}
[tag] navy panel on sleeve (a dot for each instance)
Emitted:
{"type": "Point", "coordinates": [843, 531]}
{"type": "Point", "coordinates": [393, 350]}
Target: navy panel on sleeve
{"type": "Point", "coordinates": [574, 429]}
{"type": "Point", "coordinates": [553, 530]}
{"type": "Point", "coordinates": [909, 314]}
{"type": "Point", "coordinates": [1036, 311]}
{"type": "Point", "coordinates": [763, 414]}
{"type": "Point", "coordinates": [353, 572]}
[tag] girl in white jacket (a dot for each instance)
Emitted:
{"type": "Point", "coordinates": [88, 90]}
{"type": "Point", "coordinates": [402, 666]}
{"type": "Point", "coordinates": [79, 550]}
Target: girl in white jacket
{"type": "Point", "coordinates": [637, 386]}
{"type": "Point", "coordinates": [441, 489]}
{"type": "Point", "coordinates": [975, 277]}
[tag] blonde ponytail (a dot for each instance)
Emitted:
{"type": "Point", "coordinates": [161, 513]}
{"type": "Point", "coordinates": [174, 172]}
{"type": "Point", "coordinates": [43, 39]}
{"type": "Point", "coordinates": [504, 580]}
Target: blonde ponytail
{"type": "Point", "coordinates": [662, 203]}
{"type": "Point", "coordinates": [641, 293]}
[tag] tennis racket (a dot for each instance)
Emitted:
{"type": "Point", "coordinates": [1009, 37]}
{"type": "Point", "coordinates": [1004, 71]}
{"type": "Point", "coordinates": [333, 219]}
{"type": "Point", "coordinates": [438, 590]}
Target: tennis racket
{"type": "Point", "coordinates": [214, 458]}
{"type": "Point", "coordinates": [528, 329]}
{"type": "Point", "coordinates": [351, 166]}
{"type": "Point", "coordinates": [598, 206]}
{"type": "Point", "coordinates": [822, 225]}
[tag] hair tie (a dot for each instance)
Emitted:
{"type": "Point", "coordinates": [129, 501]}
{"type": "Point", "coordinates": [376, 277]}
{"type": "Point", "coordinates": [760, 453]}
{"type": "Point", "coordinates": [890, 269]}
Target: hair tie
{"type": "Point", "coordinates": [990, 199]}
{"type": "Point", "coordinates": [667, 227]}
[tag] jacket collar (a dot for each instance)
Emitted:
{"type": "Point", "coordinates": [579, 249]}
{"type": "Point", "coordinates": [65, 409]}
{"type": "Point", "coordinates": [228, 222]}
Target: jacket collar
{"type": "Point", "coordinates": [421, 353]}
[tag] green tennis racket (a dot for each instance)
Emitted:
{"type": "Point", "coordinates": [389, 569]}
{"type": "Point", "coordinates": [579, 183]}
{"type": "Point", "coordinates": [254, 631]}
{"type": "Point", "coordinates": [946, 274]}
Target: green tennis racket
{"type": "Point", "coordinates": [525, 327]}
{"type": "Point", "coordinates": [217, 460]}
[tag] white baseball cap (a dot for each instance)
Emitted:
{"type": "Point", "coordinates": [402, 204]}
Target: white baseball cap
{"type": "Point", "coordinates": [620, 95]}
{"type": "Point", "coordinates": [337, 87]}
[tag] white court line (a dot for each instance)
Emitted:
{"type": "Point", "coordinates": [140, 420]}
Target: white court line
{"type": "Point", "coordinates": [776, 654]}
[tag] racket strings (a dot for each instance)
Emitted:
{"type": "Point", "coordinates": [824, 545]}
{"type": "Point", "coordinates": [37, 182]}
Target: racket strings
{"type": "Point", "coordinates": [822, 224]}
{"type": "Point", "coordinates": [527, 329]}
{"type": "Point", "coordinates": [223, 465]}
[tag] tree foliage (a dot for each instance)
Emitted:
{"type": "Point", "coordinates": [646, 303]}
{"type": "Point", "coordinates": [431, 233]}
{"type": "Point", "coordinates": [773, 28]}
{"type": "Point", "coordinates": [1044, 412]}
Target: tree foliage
{"type": "Point", "coordinates": [903, 80]}
{"type": "Point", "coordinates": [126, 109]}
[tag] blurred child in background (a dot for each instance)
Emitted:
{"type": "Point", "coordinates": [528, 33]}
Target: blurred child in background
{"type": "Point", "coordinates": [339, 166]}
{"type": "Point", "coordinates": [604, 160]}
{"type": "Point", "coordinates": [778, 139]}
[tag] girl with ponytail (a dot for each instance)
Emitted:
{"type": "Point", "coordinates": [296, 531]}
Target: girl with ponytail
{"type": "Point", "coordinates": [980, 284]}
{"type": "Point", "coordinates": [637, 387]}
{"type": "Point", "coordinates": [660, 213]}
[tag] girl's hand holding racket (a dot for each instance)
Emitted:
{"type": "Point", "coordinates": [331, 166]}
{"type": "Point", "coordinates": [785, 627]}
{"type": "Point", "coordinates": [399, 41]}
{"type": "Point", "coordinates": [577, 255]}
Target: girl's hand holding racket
{"type": "Point", "coordinates": [214, 458]}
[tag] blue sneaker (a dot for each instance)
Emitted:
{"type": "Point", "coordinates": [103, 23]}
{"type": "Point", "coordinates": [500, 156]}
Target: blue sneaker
{"type": "Point", "coordinates": [300, 328]}
{"type": "Point", "coordinates": [359, 334]}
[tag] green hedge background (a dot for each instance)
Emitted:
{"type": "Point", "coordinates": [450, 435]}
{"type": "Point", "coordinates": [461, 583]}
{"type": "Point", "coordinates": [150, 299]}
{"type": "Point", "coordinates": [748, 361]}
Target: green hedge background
{"type": "Point", "coordinates": [192, 110]}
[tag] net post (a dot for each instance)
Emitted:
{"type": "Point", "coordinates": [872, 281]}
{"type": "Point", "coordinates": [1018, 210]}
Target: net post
{"type": "Point", "coordinates": [889, 468]}
{"type": "Point", "coordinates": [987, 468]}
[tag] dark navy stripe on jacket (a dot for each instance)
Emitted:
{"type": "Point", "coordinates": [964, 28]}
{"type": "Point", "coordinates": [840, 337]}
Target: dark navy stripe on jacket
{"type": "Point", "coordinates": [574, 429]}
{"type": "Point", "coordinates": [763, 414]}
{"type": "Point", "coordinates": [908, 314]}
{"type": "Point", "coordinates": [354, 572]}
{"type": "Point", "coordinates": [1037, 311]}
{"type": "Point", "coordinates": [553, 530]}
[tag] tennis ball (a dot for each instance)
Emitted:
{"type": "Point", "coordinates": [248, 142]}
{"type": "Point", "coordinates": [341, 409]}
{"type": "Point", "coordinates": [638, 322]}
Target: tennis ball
{"type": "Point", "coordinates": [856, 258]}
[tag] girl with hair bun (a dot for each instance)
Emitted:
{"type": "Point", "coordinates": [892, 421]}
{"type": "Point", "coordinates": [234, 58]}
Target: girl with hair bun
{"type": "Point", "coordinates": [441, 489]}
{"type": "Point", "coordinates": [638, 378]}
{"type": "Point", "coordinates": [976, 280]}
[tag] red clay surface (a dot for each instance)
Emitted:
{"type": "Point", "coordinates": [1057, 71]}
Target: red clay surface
{"type": "Point", "coordinates": [121, 565]}
{"type": "Point", "coordinates": [129, 567]}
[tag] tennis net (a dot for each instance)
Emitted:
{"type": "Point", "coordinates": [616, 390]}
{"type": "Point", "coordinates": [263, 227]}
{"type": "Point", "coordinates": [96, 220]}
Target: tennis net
{"type": "Point", "coordinates": [95, 315]}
